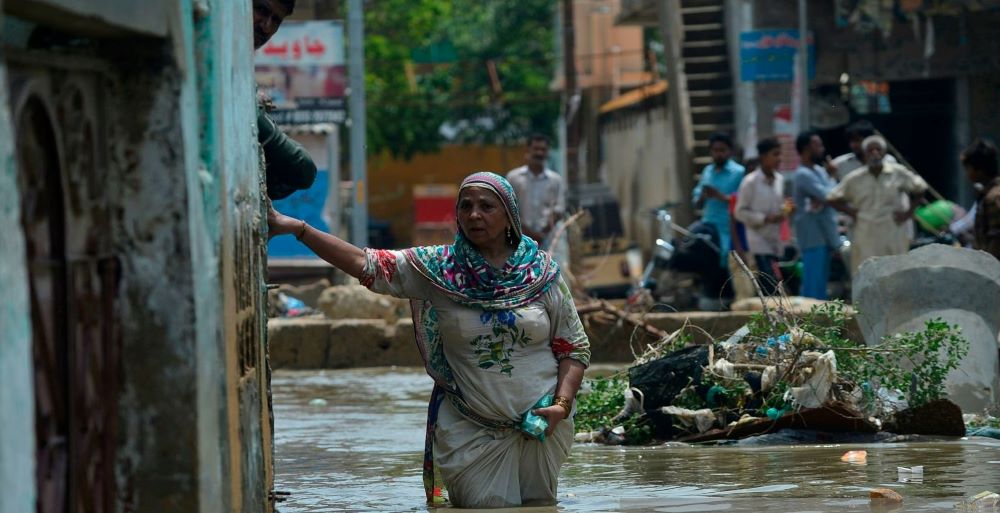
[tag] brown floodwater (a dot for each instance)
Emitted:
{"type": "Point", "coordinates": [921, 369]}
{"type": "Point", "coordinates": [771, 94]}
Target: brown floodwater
{"type": "Point", "coordinates": [352, 440]}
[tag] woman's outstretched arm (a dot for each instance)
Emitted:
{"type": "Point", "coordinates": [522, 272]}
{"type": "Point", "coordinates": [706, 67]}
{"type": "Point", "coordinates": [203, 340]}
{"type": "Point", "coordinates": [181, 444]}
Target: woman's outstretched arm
{"type": "Point", "coordinates": [339, 253]}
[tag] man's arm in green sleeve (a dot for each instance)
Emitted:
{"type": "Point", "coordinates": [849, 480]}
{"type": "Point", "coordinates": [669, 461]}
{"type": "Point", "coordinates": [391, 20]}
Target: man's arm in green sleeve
{"type": "Point", "coordinates": [289, 166]}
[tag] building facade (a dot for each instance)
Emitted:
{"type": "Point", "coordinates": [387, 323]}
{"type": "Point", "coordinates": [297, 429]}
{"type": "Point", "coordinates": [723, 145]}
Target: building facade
{"type": "Point", "coordinates": [134, 360]}
{"type": "Point", "coordinates": [924, 72]}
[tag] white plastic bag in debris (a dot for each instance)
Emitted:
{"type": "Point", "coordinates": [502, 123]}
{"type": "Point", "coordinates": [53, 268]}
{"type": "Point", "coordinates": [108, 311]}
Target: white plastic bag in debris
{"type": "Point", "coordinates": [768, 377]}
{"type": "Point", "coordinates": [724, 368]}
{"type": "Point", "coordinates": [816, 390]}
{"type": "Point", "coordinates": [702, 419]}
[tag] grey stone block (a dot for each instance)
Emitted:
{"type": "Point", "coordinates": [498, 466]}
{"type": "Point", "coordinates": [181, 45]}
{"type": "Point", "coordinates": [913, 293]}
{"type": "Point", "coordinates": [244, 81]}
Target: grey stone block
{"type": "Point", "coordinates": [358, 343]}
{"type": "Point", "coordinates": [298, 343]}
{"type": "Point", "coordinates": [899, 293]}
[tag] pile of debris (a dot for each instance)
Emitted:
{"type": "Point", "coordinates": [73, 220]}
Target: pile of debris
{"type": "Point", "coordinates": [780, 371]}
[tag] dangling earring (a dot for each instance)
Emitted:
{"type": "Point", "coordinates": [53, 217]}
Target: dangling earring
{"type": "Point", "coordinates": [510, 237]}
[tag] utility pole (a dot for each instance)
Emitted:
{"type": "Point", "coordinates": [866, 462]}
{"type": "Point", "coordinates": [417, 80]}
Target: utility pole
{"type": "Point", "coordinates": [803, 64]}
{"type": "Point", "coordinates": [571, 108]}
{"type": "Point", "coordinates": [359, 160]}
{"type": "Point", "coordinates": [679, 106]}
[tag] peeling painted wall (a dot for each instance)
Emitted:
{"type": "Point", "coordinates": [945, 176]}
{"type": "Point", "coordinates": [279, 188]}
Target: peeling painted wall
{"type": "Point", "coordinates": [183, 170]}
{"type": "Point", "coordinates": [17, 440]}
{"type": "Point", "coordinates": [638, 147]}
{"type": "Point", "coordinates": [99, 15]}
{"type": "Point", "coordinates": [233, 210]}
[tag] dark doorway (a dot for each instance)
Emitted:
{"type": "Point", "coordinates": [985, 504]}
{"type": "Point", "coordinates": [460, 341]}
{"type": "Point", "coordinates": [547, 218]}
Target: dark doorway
{"type": "Point", "coordinates": [43, 219]}
{"type": "Point", "coordinates": [73, 275]}
{"type": "Point", "coordinates": [922, 127]}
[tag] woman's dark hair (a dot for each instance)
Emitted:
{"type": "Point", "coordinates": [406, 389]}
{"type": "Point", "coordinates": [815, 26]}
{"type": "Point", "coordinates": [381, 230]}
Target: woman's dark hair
{"type": "Point", "coordinates": [981, 155]}
{"type": "Point", "coordinates": [722, 138]}
{"type": "Point", "coordinates": [767, 144]}
{"type": "Point", "coordinates": [289, 4]}
{"type": "Point", "coordinates": [803, 140]}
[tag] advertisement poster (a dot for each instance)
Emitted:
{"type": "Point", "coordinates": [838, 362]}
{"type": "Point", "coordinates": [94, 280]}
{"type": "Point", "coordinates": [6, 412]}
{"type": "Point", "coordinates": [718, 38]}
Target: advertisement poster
{"type": "Point", "coordinates": [303, 69]}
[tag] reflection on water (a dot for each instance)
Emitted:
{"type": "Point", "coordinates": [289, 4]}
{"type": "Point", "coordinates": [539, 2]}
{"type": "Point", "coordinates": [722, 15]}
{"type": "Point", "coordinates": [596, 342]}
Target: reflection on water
{"type": "Point", "coordinates": [362, 451]}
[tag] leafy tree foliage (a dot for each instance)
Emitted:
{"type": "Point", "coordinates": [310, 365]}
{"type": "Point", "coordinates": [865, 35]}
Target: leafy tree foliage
{"type": "Point", "coordinates": [408, 104]}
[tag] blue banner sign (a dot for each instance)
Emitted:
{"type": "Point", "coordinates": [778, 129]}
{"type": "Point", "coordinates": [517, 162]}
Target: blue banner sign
{"type": "Point", "coordinates": [769, 55]}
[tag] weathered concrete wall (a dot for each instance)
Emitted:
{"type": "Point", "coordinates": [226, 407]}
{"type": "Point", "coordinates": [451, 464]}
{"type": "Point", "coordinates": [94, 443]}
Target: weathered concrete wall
{"type": "Point", "coordinates": [984, 104]}
{"type": "Point", "coordinates": [17, 440]}
{"type": "Point", "coordinates": [233, 210]}
{"type": "Point", "coordinates": [315, 343]}
{"type": "Point", "coordinates": [158, 456]}
{"type": "Point", "coordinates": [638, 149]}
{"type": "Point", "coordinates": [182, 166]}
{"type": "Point", "coordinates": [93, 17]}
{"type": "Point", "coordinates": [323, 343]}
{"type": "Point", "coordinates": [320, 343]}
{"type": "Point", "coordinates": [963, 45]}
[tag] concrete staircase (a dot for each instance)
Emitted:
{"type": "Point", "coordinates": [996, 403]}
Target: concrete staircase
{"type": "Point", "coordinates": [706, 66]}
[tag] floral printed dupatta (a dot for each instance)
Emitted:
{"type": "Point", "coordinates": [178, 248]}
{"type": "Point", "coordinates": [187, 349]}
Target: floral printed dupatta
{"type": "Point", "coordinates": [463, 275]}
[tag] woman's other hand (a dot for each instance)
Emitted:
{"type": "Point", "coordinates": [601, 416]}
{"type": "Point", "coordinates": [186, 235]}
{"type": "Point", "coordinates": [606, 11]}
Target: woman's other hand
{"type": "Point", "coordinates": [554, 414]}
{"type": "Point", "coordinates": [280, 224]}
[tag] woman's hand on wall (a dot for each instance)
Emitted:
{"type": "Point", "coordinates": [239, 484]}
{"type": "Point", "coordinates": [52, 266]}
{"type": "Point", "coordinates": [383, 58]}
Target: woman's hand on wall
{"type": "Point", "coordinates": [280, 224]}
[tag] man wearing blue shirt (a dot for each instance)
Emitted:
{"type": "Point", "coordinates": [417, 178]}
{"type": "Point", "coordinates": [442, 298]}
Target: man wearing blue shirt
{"type": "Point", "coordinates": [815, 220]}
{"type": "Point", "coordinates": [719, 180]}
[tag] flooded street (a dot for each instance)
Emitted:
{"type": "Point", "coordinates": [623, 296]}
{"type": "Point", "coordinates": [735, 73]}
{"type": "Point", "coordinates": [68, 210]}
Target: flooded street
{"type": "Point", "coordinates": [352, 440]}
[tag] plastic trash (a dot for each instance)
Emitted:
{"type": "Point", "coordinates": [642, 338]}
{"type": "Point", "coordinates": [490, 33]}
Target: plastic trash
{"type": "Point", "coordinates": [615, 436]}
{"type": "Point", "coordinates": [290, 306]}
{"type": "Point", "coordinates": [855, 457]}
{"type": "Point", "coordinates": [318, 402]}
{"type": "Point", "coordinates": [983, 431]}
{"type": "Point", "coordinates": [535, 425]}
{"type": "Point", "coordinates": [702, 420]}
{"type": "Point", "coordinates": [775, 414]}
{"type": "Point", "coordinates": [736, 337]}
{"type": "Point", "coordinates": [911, 474]}
{"type": "Point", "coordinates": [892, 400]}
{"type": "Point", "coordinates": [715, 395]}
{"type": "Point", "coordinates": [816, 390]}
{"type": "Point", "coordinates": [780, 343]}
{"type": "Point", "coordinates": [804, 339]}
{"type": "Point", "coordinates": [768, 377]}
{"type": "Point", "coordinates": [724, 368]}
{"type": "Point", "coordinates": [983, 501]}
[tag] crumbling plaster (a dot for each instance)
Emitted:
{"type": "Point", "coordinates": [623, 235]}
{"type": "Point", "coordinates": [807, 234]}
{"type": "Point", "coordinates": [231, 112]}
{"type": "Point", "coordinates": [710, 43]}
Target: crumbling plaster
{"type": "Point", "coordinates": [17, 442]}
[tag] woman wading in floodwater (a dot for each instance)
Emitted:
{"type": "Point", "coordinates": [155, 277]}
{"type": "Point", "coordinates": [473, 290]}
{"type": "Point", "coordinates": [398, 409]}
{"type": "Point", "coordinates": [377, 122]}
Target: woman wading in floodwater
{"type": "Point", "coordinates": [498, 331]}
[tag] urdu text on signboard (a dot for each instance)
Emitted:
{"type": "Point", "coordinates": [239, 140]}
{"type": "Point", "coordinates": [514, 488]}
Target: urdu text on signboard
{"type": "Point", "coordinates": [303, 69]}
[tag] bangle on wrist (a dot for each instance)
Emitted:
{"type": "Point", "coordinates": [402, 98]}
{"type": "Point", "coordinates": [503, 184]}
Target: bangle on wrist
{"type": "Point", "coordinates": [302, 230]}
{"type": "Point", "coordinates": [564, 402]}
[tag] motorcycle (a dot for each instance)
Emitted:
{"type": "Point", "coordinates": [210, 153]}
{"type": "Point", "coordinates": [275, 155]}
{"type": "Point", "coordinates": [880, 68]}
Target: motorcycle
{"type": "Point", "coordinates": [677, 251]}
{"type": "Point", "coordinates": [695, 251]}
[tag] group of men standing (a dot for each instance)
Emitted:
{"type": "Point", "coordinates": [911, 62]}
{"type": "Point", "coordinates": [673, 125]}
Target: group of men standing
{"type": "Point", "coordinates": [869, 188]}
